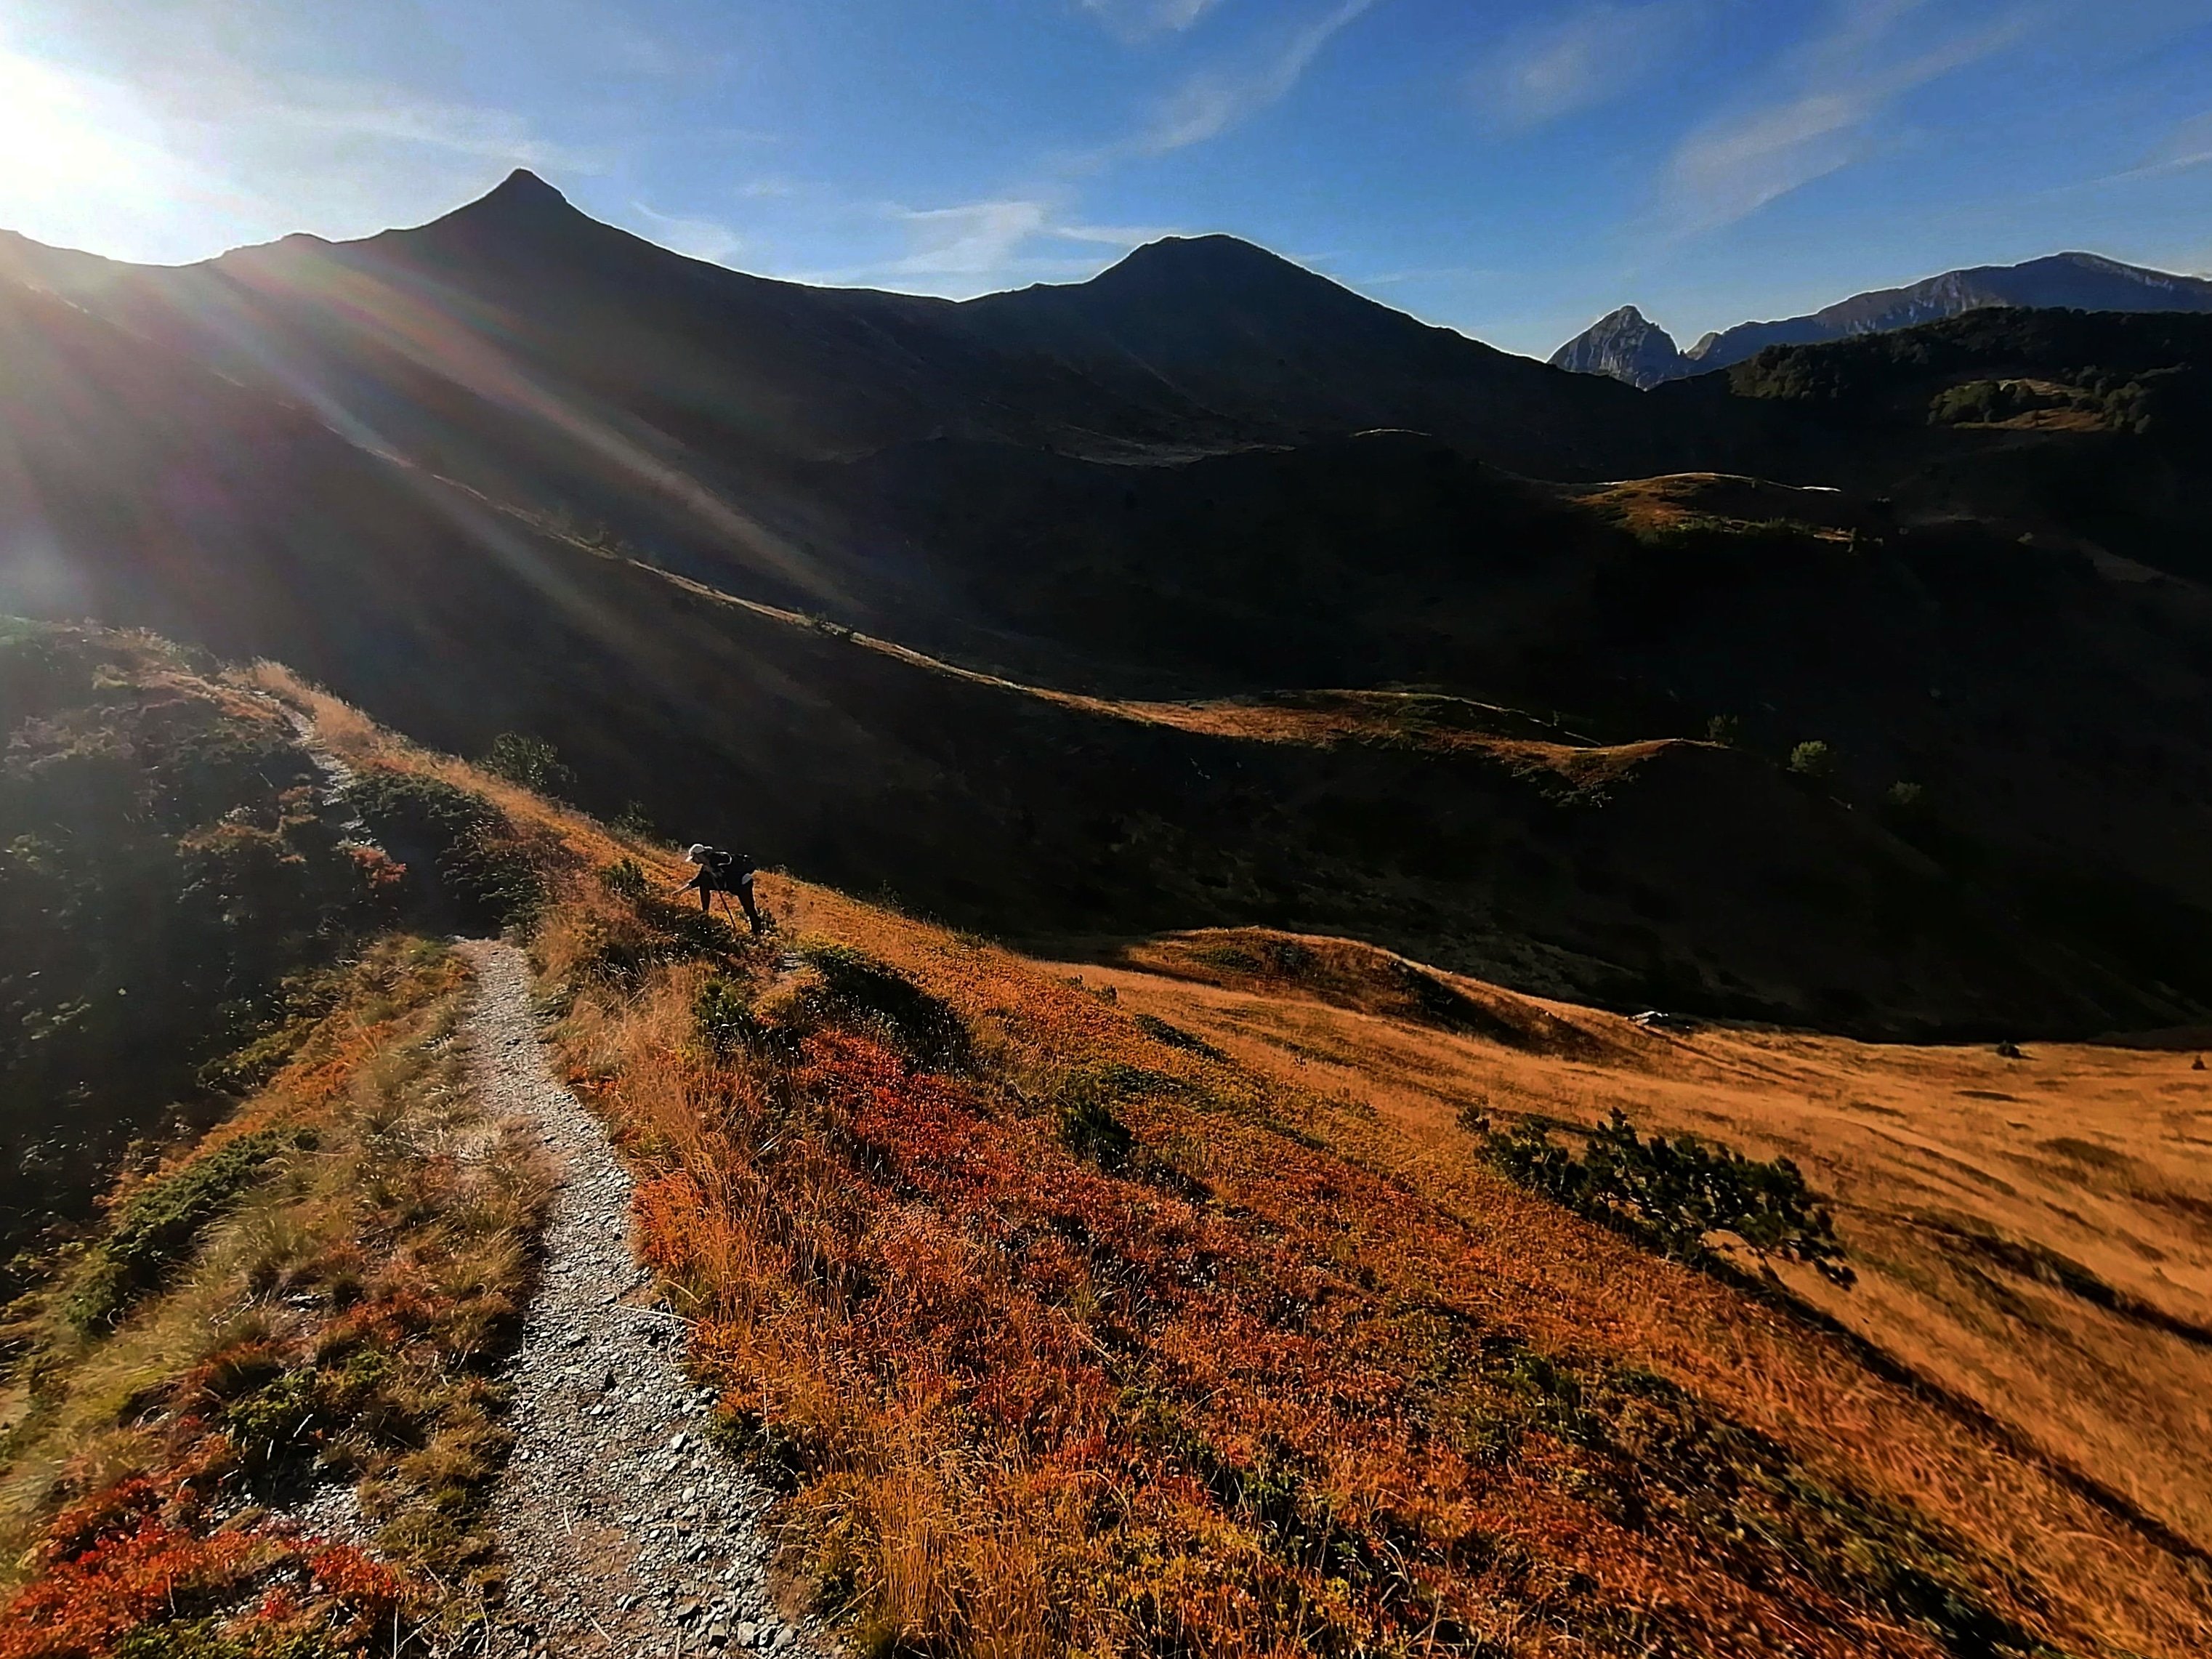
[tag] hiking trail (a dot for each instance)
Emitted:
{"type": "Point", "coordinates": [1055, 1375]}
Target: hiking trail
{"type": "Point", "coordinates": [625, 1528]}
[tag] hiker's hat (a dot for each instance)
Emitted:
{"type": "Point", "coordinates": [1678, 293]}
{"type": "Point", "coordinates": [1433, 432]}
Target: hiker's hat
{"type": "Point", "coordinates": [698, 850]}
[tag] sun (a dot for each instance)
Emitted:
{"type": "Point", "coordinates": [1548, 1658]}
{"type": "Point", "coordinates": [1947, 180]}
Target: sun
{"type": "Point", "coordinates": [82, 162]}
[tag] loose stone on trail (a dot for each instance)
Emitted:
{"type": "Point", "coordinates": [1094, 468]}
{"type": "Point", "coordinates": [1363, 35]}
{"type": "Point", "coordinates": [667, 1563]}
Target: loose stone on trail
{"type": "Point", "coordinates": [585, 1508]}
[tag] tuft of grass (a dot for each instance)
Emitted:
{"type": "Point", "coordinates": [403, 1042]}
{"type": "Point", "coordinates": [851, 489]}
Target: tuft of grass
{"type": "Point", "coordinates": [154, 1224]}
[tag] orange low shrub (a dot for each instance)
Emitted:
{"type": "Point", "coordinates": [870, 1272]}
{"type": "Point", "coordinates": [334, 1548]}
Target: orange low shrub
{"type": "Point", "coordinates": [1028, 1403]}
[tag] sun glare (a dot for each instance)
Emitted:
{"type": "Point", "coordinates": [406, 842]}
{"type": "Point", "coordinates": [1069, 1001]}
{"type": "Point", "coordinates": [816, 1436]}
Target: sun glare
{"type": "Point", "coordinates": [82, 164]}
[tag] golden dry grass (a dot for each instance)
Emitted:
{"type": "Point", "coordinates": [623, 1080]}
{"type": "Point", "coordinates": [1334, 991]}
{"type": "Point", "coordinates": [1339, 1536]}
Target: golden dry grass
{"type": "Point", "coordinates": [963, 1402]}
{"type": "Point", "coordinates": [336, 1310]}
{"type": "Point", "coordinates": [1672, 500]}
{"type": "Point", "coordinates": [1986, 1202]}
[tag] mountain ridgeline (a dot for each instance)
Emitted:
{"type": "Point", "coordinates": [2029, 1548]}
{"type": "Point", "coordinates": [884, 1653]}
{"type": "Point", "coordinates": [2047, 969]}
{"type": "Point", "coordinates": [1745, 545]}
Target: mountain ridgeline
{"type": "Point", "coordinates": [1627, 346]}
{"type": "Point", "coordinates": [1863, 684]}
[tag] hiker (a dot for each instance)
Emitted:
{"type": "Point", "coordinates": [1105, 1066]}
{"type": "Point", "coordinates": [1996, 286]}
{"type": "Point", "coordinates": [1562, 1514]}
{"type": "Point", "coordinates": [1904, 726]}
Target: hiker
{"type": "Point", "coordinates": [723, 872]}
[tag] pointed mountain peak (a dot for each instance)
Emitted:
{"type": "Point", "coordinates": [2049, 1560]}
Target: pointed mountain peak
{"type": "Point", "coordinates": [1625, 345]}
{"type": "Point", "coordinates": [1222, 270]}
{"type": "Point", "coordinates": [522, 204]}
{"type": "Point", "coordinates": [1198, 259]}
{"type": "Point", "coordinates": [523, 187]}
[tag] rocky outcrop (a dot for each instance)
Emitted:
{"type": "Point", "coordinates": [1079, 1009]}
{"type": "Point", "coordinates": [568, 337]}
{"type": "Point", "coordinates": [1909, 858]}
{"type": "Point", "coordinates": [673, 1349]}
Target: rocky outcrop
{"type": "Point", "coordinates": [1625, 345]}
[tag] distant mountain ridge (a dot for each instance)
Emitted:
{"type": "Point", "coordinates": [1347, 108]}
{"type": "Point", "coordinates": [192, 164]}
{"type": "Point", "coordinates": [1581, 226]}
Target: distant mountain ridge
{"type": "Point", "coordinates": [1627, 346]}
{"type": "Point", "coordinates": [519, 470]}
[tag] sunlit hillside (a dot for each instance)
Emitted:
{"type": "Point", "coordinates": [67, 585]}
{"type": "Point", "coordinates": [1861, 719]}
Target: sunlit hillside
{"type": "Point", "coordinates": [1173, 1302]}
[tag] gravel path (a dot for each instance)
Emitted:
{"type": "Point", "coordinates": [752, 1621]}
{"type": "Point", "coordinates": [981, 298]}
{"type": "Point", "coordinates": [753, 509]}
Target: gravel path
{"type": "Point", "coordinates": [625, 1529]}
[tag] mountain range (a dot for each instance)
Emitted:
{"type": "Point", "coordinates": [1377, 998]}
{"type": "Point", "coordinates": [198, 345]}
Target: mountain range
{"type": "Point", "coordinates": [1204, 592]}
{"type": "Point", "coordinates": [1627, 346]}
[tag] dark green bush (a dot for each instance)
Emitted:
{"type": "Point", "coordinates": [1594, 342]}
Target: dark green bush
{"type": "Point", "coordinates": [724, 1016]}
{"type": "Point", "coordinates": [920, 1026]}
{"type": "Point", "coordinates": [1672, 1196]}
{"type": "Point", "coordinates": [530, 762]}
{"type": "Point", "coordinates": [1083, 1110]}
{"type": "Point", "coordinates": [1175, 1037]}
{"type": "Point", "coordinates": [626, 878]}
{"type": "Point", "coordinates": [466, 863]}
{"type": "Point", "coordinates": [1812, 759]}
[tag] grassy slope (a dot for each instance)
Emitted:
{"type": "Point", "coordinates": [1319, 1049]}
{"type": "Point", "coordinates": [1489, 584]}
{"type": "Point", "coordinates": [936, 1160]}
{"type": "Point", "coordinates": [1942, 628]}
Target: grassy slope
{"type": "Point", "coordinates": [2030, 1235]}
{"type": "Point", "coordinates": [334, 1304]}
{"type": "Point", "coordinates": [168, 885]}
{"type": "Point", "coordinates": [1070, 1332]}
{"type": "Point", "coordinates": [1270, 1371]}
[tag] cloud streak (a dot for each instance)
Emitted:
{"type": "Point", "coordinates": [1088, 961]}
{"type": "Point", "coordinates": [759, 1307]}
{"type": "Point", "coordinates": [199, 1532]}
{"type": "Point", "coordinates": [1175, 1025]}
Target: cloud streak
{"type": "Point", "coordinates": [1844, 88]}
{"type": "Point", "coordinates": [1138, 20]}
{"type": "Point", "coordinates": [1212, 102]}
{"type": "Point", "coordinates": [1541, 73]}
{"type": "Point", "coordinates": [697, 239]}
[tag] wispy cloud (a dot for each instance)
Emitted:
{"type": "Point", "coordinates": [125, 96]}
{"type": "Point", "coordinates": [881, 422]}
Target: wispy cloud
{"type": "Point", "coordinates": [2189, 145]}
{"type": "Point", "coordinates": [1136, 19]}
{"type": "Point", "coordinates": [1843, 87]}
{"type": "Point", "coordinates": [343, 112]}
{"type": "Point", "coordinates": [972, 238]}
{"type": "Point", "coordinates": [974, 247]}
{"type": "Point", "coordinates": [1212, 102]}
{"type": "Point", "coordinates": [1546, 71]}
{"type": "Point", "coordinates": [700, 239]}
{"type": "Point", "coordinates": [1123, 237]}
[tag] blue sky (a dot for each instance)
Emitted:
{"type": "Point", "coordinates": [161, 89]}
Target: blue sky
{"type": "Point", "coordinates": [1512, 169]}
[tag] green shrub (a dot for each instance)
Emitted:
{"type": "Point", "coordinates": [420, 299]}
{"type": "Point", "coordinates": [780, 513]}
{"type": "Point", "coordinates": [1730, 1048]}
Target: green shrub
{"type": "Point", "coordinates": [479, 874]}
{"type": "Point", "coordinates": [626, 878]}
{"type": "Point", "coordinates": [1812, 759]}
{"type": "Point", "coordinates": [1175, 1037]}
{"type": "Point", "coordinates": [1724, 729]}
{"type": "Point", "coordinates": [724, 1017]}
{"type": "Point", "coordinates": [1082, 1112]}
{"type": "Point", "coordinates": [530, 762]}
{"type": "Point", "coordinates": [1672, 1195]}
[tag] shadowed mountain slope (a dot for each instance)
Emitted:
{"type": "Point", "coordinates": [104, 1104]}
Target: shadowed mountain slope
{"type": "Point", "coordinates": [464, 473]}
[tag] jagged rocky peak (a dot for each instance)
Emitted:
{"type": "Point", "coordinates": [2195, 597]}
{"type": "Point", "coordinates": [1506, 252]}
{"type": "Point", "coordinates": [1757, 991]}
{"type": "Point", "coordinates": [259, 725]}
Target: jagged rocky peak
{"type": "Point", "coordinates": [2075, 282]}
{"type": "Point", "coordinates": [1625, 345]}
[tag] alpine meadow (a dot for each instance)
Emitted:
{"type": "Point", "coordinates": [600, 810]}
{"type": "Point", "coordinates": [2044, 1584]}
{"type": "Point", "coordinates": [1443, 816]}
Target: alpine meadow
{"type": "Point", "coordinates": [1060, 937]}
